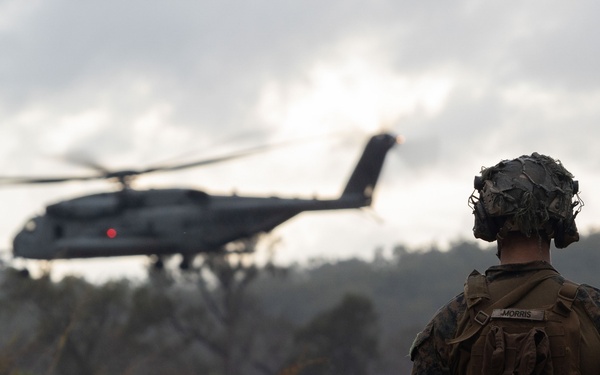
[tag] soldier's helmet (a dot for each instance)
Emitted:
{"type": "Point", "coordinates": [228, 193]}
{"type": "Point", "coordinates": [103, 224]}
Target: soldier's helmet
{"type": "Point", "coordinates": [534, 195]}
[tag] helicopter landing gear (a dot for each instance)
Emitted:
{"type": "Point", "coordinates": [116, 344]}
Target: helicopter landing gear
{"type": "Point", "coordinates": [24, 273]}
{"type": "Point", "coordinates": [158, 263]}
{"type": "Point", "coordinates": [186, 262]}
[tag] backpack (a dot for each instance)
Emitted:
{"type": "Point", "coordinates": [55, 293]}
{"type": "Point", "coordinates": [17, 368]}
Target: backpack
{"type": "Point", "coordinates": [509, 330]}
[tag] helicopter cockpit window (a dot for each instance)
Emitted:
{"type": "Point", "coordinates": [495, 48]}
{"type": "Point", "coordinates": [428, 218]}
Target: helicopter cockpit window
{"type": "Point", "coordinates": [88, 206]}
{"type": "Point", "coordinates": [197, 196]}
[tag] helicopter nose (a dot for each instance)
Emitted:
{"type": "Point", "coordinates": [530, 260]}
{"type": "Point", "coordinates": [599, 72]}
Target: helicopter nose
{"type": "Point", "coordinates": [24, 241]}
{"type": "Point", "coordinates": [20, 244]}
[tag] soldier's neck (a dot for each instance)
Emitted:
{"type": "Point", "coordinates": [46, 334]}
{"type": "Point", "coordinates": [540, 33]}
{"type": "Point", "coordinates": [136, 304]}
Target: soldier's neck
{"type": "Point", "coordinates": [518, 248]}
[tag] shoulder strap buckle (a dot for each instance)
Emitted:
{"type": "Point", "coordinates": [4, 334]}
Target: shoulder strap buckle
{"type": "Point", "coordinates": [481, 317]}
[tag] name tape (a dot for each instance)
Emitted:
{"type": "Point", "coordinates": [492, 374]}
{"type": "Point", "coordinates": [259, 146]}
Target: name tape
{"type": "Point", "coordinates": [537, 315]}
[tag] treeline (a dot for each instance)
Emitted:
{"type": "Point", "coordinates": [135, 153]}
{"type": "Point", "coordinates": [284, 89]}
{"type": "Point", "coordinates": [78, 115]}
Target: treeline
{"type": "Point", "coordinates": [229, 316]}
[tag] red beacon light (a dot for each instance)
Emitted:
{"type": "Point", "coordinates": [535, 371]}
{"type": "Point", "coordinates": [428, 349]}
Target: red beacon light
{"type": "Point", "coordinates": [111, 233]}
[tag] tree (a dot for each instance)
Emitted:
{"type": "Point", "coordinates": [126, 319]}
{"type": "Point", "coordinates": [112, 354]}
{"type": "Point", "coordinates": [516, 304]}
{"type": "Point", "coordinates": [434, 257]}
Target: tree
{"type": "Point", "coordinates": [227, 320]}
{"type": "Point", "coordinates": [66, 327]}
{"type": "Point", "coordinates": [342, 340]}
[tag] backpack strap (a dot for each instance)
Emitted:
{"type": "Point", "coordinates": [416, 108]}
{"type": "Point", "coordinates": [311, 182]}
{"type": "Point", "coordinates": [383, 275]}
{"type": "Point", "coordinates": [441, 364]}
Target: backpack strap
{"type": "Point", "coordinates": [476, 289]}
{"type": "Point", "coordinates": [565, 298]}
{"type": "Point", "coordinates": [481, 316]}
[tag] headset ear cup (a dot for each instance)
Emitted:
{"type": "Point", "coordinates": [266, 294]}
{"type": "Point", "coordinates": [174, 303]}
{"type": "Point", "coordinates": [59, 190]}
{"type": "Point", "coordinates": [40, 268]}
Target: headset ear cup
{"type": "Point", "coordinates": [559, 235]}
{"type": "Point", "coordinates": [485, 228]}
{"type": "Point", "coordinates": [565, 233]}
{"type": "Point", "coordinates": [478, 183]}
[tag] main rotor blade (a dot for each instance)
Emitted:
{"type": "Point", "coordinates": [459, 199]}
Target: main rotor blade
{"type": "Point", "coordinates": [218, 159]}
{"type": "Point", "coordinates": [124, 175]}
{"type": "Point", "coordinates": [17, 180]}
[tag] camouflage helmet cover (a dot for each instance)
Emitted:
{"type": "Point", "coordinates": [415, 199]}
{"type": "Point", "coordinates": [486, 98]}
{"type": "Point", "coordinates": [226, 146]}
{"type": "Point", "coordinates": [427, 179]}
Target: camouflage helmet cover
{"type": "Point", "coordinates": [529, 194]}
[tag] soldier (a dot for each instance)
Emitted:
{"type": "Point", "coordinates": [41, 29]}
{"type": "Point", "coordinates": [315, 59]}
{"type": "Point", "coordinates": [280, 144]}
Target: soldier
{"type": "Point", "coordinates": [522, 316]}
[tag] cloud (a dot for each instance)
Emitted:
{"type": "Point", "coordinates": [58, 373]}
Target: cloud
{"type": "Point", "coordinates": [468, 83]}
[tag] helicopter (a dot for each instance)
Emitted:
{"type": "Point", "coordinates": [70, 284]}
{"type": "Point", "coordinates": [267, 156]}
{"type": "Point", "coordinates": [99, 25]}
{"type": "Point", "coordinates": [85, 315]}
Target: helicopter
{"type": "Point", "coordinates": [167, 221]}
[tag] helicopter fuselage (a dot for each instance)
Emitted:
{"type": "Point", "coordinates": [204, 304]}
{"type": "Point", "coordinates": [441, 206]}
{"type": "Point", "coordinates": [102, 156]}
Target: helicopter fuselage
{"type": "Point", "coordinates": [167, 221]}
{"type": "Point", "coordinates": [185, 221]}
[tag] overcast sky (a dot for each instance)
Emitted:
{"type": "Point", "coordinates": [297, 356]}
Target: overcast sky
{"type": "Point", "coordinates": [468, 83]}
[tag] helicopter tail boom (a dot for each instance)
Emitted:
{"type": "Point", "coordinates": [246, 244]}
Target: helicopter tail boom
{"type": "Point", "coordinates": [366, 173]}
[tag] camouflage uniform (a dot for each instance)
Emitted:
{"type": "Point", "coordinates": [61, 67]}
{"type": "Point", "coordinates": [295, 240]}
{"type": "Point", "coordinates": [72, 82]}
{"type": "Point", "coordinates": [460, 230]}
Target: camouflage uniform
{"type": "Point", "coordinates": [431, 354]}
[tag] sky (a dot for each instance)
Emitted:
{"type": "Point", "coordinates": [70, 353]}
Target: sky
{"type": "Point", "coordinates": [467, 83]}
